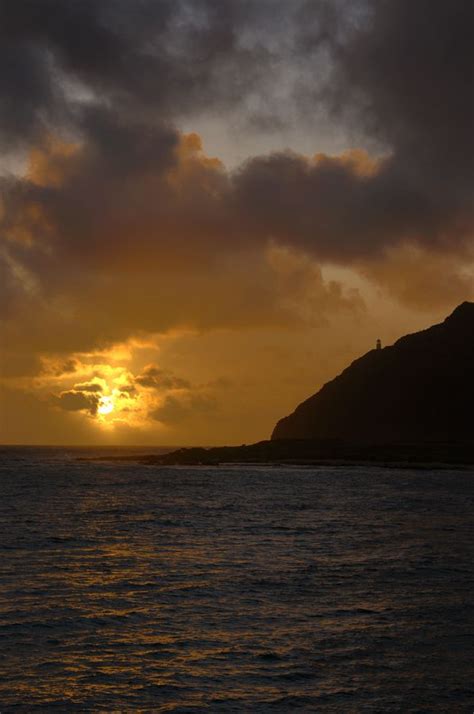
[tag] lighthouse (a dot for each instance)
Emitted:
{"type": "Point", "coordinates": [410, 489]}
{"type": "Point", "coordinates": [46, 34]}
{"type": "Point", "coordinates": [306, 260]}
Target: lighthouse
{"type": "Point", "coordinates": [378, 345]}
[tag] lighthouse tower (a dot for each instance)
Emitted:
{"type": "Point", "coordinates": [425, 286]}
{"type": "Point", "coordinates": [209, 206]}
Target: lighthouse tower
{"type": "Point", "coordinates": [378, 345]}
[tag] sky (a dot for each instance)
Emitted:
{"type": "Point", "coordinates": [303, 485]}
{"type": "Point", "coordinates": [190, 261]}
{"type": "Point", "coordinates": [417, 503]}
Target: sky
{"type": "Point", "coordinates": [209, 208]}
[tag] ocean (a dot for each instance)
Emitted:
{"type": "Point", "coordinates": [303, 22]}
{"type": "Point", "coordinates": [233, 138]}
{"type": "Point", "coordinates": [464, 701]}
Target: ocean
{"type": "Point", "coordinates": [233, 589]}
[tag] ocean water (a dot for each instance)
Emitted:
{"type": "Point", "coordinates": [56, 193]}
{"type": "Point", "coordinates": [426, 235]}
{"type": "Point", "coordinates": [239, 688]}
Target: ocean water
{"type": "Point", "coordinates": [233, 589]}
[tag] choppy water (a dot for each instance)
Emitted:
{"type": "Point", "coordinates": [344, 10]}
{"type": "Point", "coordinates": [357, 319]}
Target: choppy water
{"type": "Point", "coordinates": [132, 588]}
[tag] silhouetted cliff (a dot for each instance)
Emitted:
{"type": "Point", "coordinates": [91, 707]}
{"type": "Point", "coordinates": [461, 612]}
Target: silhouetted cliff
{"type": "Point", "coordinates": [421, 389]}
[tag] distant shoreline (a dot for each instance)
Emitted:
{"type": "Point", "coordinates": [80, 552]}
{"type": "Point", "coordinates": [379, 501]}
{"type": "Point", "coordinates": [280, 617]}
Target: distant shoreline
{"type": "Point", "coordinates": [307, 453]}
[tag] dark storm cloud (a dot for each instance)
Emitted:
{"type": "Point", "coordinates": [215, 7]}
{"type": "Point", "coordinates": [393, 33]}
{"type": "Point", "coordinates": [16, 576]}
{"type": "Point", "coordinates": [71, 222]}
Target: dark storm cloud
{"type": "Point", "coordinates": [402, 73]}
{"type": "Point", "coordinates": [408, 77]}
{"type": "Point", "coordinates": [153, 56]}
{"type": "Point", "coordinates": [135, 198]}
{"type": "Point", "coordinates": [408, 72]}
{"type": "Point", "coordinates": [50, 47]}
{"type": "Point", "coordinates": [74, 401]}
{"type": "Point", "coordinates": [153, 377]}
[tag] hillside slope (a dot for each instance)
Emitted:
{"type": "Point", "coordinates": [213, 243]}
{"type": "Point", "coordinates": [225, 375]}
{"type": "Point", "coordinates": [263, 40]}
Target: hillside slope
{"type": "Point", "coordinates": [419, 389]}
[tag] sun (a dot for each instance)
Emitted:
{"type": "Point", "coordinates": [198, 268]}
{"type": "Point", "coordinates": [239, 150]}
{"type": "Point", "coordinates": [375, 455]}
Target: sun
{"type": "Point", "coordinates": [106, 405]}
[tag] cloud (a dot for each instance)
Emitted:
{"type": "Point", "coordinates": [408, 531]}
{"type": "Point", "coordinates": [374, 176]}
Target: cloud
{"type": "Point", "coordinates": [423, 280]}
{"type": "Point", "coordinates": [119, 254]}
{"type": "Point", "coordinates": [118, 399]}
{"type": "Point", "coordinates": [406, 75]}
{"type": "Point", "coordinates": [93, 387]}
{"type": "Point", "coordinates": [73, 401]}
{"type": "Point", "coordinates": [178, 409]}
{"type": "Point", "coordinates": [154, 378]}
{"type": "Point", "coordinates": [121, 224]}
{"type": "Point", "coordinates": [67, 367]}
{"type": "Point", "coordinates": [153, 58]}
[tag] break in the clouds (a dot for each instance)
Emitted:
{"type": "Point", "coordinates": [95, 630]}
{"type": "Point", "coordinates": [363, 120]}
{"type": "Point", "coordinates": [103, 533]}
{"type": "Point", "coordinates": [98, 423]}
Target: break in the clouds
{"type": "Point", "coordinates": [116, 397]}
{"type": "Point", "coordinates": [114, 222]}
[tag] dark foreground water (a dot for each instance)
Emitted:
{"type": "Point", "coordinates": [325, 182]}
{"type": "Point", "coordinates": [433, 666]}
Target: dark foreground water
{"type": "Point", "coordinates": [132, 588]}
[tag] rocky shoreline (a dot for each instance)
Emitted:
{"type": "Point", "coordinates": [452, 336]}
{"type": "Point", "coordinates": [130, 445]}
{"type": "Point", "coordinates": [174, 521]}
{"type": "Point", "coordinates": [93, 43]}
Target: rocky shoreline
{"type": "Point", "coordinates": [313, 453]}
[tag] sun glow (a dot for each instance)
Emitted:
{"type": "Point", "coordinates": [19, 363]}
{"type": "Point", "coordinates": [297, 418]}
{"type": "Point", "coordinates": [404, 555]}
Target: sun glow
{"type": "Point", "coordinates": [110, 395]}
{"type": "Point", "coordinates": [106, 405]}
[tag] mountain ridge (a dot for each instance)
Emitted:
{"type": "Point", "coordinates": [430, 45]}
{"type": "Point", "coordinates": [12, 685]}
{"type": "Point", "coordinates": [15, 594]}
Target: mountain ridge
{"type": "Point", "coordinates": [421, 388]}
